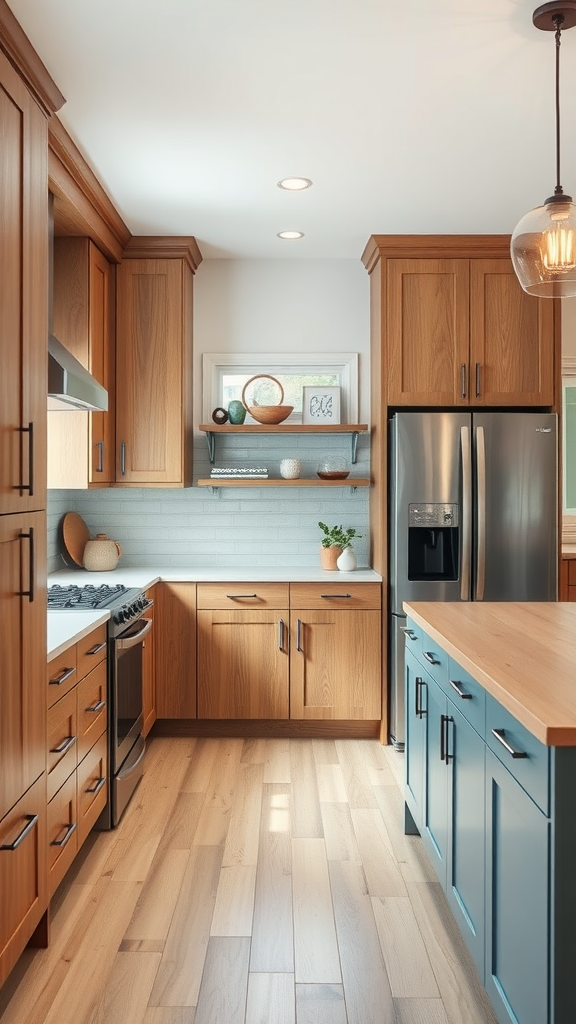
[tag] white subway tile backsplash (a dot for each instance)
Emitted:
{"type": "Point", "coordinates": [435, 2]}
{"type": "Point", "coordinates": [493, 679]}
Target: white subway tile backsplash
{"type": "Point", "coordinates": [259, 526]}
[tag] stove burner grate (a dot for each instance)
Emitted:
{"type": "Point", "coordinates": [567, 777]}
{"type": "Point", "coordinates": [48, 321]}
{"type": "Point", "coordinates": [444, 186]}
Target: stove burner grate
{"type": "Point", "coordinates": [88, 596]}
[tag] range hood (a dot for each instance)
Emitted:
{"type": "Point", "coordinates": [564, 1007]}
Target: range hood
{"type": "Point", "coordinates": [70, 385]}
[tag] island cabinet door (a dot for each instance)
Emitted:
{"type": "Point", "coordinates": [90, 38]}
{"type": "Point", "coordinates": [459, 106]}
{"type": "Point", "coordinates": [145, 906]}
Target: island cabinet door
{"type": "Point", "coordinates": [517, 921]}
{"type": "Point", "coordinates": [437, 777]}
{"type": "Point", "coordinates": [465, 883]}
{"type": "Point", "coordinates": [416, 705]}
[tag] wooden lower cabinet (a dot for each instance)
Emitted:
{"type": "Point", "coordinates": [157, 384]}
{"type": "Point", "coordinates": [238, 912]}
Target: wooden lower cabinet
{"type": "Point", "coordinates": [23, 874]}
{"type": "Point", "coordinates": [175, 649]}
{"type": "Point", "coordinates": [243, 664]}
{"type": "Point", "coordinates": [77, 760]}
{"type": "Point", "coordinates": [149, 672]}
{"type": "Point", "coordinates": [567, 589]}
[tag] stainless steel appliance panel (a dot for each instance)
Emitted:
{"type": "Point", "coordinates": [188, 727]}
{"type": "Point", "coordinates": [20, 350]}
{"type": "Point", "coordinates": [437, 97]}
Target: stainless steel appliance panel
{"type": "Point", "coordinates": [516, 515]}
{"type": "Point", "coordinates": [426, 467]}
{"type": "Point", "coordinates": [397, 661]}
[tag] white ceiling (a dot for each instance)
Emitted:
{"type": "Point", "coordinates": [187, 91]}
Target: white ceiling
{"type": "Point", "coordinates": [409, 116]}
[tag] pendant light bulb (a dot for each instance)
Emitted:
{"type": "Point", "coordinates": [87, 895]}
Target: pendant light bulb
{"type": "Point", "coordinates": [543, 243]}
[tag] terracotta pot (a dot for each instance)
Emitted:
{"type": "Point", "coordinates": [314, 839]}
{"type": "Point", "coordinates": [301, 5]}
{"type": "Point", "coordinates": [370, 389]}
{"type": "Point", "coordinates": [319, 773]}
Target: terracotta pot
{"type": "Point", "coordinates": [329, 556]}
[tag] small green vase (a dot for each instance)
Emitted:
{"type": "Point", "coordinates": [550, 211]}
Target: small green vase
{"type": "Point", "coordinates": [236, 412]}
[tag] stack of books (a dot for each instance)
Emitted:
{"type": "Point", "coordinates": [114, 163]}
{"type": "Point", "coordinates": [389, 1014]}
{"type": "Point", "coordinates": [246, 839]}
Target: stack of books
{"type": "Point", "coordinates": [241, 472]}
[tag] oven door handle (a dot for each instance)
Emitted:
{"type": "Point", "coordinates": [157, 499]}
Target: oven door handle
{"type": "Point", "coordinates": [137, 638]}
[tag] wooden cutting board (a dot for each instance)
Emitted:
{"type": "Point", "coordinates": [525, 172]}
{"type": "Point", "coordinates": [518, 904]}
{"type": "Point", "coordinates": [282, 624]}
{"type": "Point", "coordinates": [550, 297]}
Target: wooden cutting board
{"type": "Point", "coordinates": [75, 535]}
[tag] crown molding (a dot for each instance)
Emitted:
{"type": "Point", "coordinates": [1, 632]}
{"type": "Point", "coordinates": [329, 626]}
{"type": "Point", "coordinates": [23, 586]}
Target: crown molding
{"type": "Point", "coordinates": [19, 50]}
{"type": "Point", "coordinates": [164, 247]}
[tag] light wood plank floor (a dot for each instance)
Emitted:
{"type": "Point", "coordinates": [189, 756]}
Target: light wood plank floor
{"type": "Point", "coordinates": [253, 882]}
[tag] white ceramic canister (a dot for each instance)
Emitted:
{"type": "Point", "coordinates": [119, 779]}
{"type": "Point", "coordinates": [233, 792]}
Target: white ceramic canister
{"type": "Point", "coordinates": [347, 560]}
{"type": "Point", "coordinates": [101, 554]}
{"type": "Point", "coordinates": [290, 469]}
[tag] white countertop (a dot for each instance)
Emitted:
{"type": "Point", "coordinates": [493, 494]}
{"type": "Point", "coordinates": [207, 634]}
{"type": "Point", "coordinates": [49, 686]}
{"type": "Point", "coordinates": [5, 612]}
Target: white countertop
{"type": "Point", "coordinates": [67, 627]}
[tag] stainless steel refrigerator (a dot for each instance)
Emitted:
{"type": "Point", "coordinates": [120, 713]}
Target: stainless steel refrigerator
{"type": "Point", "coordinates": [473, 516]}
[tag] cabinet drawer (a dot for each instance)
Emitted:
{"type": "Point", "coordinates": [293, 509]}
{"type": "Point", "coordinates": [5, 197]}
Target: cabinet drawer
{"type": "Point", "coordinates": [62, 675]}
{"type": "Point", "coordinates": [571, 571]}
{"type": "Point", "coordinates": [335, 595]}
{"type": "Point", "coordinates": [62, 833]}
{"type": "Point", "coordinates": [91, 706]}
{"type": "Point", "coordinates": [92, 776]}
{"type": "Point", "coordinates": [434, 659]}
{"type": "Point", "coordinates": [468, 696]}
{"type": "Point", "coordinates": [91, 650]}
{"type": "Point", "coordinates": [62, 741]}
{"type": "Point", "coordinates": [242, 595]}
{"type": "Point", "coordinates": [532, 768]}
{"type": "Point", "coordinates": [413, 638]}
{"type": "Point", "coordinates": [23, 875]}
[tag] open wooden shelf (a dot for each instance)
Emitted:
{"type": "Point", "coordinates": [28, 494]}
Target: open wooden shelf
{"type": "Point", "coordinates": [211, 429]}
{"type": "Point", "coordinates": [228, 481]}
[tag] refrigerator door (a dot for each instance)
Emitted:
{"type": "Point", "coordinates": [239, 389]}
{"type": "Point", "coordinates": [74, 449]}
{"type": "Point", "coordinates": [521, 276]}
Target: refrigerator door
{"type": "Point", "coordinates": [516, 473]}
{"type": "Point", "coordinates": [430, 511]}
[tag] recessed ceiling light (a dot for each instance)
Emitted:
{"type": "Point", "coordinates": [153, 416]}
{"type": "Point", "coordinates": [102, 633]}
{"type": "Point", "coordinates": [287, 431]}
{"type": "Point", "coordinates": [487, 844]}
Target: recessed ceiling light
{"type": "Point", "coordinates": [294, 184]}
{"type": "Point", "coordinates": [290, 234]}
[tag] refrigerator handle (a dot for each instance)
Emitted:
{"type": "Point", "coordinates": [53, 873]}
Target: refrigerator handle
{"type": "Point", "coordinates": [480, 513]}
{"type": "Point", "coordinates": [466, 545]}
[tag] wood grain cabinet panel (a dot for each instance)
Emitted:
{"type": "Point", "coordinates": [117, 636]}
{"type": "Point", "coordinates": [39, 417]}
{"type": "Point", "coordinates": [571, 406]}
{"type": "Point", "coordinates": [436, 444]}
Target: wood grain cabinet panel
{"type": "Point", "coordinates": [154, 429]}
{"type": "Point", "coordinates": [23, 874]}
{"type": "Point", "coordinates": [23, 647]}
{"type": "Point", "coordinates": [243, 664]}
{"type": "Point", "coordinates": [175, 649]}
{"type": "Point", "coordinates": [81, 446]}
{"type": "Point", "coordinates": [62, 832]}
{"type": "Point", "coordinates": [23, 296]}
{"type": "Point", "coordinates": [338, 596]}
{"type": "Point", "coordinates": [149, 672]}
{"type": "Point", "coordinates": [335, 664]}
{"type": "Point", "coordinates": [242, 596]}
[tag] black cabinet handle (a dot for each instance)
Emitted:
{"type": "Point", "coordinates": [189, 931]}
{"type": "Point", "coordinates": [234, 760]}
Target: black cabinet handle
{"type": "Point", "coordinates": [64, 675]}
{"type": "Point", "coordinates": [477, 380]}
{"type": "Point", "coordinates": [30, 485]}
{"type": "Point", "coordinates": [30, 592]}
{"type": "Point", "coordinates": [461, 693]}
{"type": "Point", "coordinates": [500, 735]}
{"type": "Point", "coordinates": [97, 786]}
{"type": "Point", "coordinates": [31, 820]}
{"type": "Point", "coordinates": [281, 634]}
{"type": "Point", "coordinates": [96, 707]}
{"type": "Point", "coordinates": [419, 707]}
{"type": "Point", "coordinates": [64, 746]}
{"type": "Point", "coordinates": [67, 835]}
{"type": "Point", "coordinates": [409, 633]}
{"type": "Point", "coordinates": [240, 597]}
{"type": "Point", "coordinates": [332, 597]}
{"type": "Point", "coordinates": [299, 636]}
{"type": "Point", "coordinates": [123, 458]}
{"type": "Point", "coordinates": [100, 467]}
{"type": "Point", "coordinates": [96, 649]}
{"type": "Point", "coordinates": [430, 657]}
{"type": "Point", "coordinates": [444, 737]}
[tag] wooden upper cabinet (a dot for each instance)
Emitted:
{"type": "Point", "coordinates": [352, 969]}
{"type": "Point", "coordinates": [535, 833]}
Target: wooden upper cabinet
{"type": "Point", "coordinates": [511, 339]}
{"type": "Point", "coordinates": [23, 295]}
{"type": "Point", "coordinates": [154, 428]}
{"type": "Point", "coordinates": [81, 450]}
{"type": "Point", "coordinates": [427, 304]}
{"type": "Point", "coordinates": [456, 327]}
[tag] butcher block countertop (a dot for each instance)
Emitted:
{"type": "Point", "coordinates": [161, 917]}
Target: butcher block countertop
{"type": "Point", "coordinates": [524, 654]}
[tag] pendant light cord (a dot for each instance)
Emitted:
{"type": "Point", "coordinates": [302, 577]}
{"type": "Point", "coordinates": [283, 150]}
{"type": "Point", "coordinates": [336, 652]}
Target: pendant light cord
{"type": "Point", "coordinates": [558, 21]}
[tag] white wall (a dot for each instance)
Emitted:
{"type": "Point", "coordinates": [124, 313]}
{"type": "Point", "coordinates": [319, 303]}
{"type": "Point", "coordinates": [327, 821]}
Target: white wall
{"type": "Point", "coordinates": [283, 306]}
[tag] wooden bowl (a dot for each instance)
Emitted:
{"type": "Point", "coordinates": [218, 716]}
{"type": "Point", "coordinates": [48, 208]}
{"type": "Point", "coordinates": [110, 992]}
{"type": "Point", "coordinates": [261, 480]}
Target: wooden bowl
{"type": "Point", "coordinates": [267, 414]}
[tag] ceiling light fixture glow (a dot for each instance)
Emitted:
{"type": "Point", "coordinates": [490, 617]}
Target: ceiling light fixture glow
{"type": "Point", "coordinates": [295, 184]}
{"type": "Point", "coordinates": [543, 244]}
{"type": "Point", "coordinates": [290, 234]}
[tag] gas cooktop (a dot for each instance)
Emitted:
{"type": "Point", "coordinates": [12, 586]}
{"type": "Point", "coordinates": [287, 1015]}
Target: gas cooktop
{"type": "Point", "coordinates": [86, 597]}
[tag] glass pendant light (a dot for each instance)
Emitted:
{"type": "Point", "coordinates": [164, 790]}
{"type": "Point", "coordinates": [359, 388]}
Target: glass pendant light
{"type": "Point", "coordinates": [543, 244]}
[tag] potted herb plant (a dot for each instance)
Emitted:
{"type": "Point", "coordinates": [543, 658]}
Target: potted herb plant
{"type": "Point", "coordinates": [334, 542]}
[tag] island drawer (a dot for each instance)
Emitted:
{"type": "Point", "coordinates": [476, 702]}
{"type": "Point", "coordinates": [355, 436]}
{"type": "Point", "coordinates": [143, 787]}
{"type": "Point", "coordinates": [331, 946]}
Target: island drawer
{"type": "Point", "coordinates": [341, 595]}
{"type": "Point", "coordinates": [217, 596]}
{"type": "Point", "coordinates": [434, 659]}
{"type": "Point", "coordinates": [413, 637]}
{"type": "Point", "coordinates": [468, 696]}
{"type": "Point", "coordinates": [520, 752]}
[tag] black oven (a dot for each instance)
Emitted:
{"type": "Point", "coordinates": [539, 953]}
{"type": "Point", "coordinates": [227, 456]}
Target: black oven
{"type": "Point", "coordinates": [128, 628]}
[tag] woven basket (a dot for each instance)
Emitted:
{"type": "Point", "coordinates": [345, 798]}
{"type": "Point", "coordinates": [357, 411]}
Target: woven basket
{"type": "Point", "coordinates": [268, 414]}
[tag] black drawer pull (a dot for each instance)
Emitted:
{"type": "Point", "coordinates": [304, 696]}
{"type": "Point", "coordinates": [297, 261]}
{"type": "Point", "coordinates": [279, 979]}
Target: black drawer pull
{"type": "Point", "coordinates": [409, 633]}
{"type": "Point", "coordinates": [500, 735]}
{"type": "Point", "coordinates": [97, 786]}
{"type": "Point", "coordinates": [238, 597]}
{"type": "Point", "coordinates": [430, 657]}
{"type": "Point", "coordinates": [31, 820]}
{"type": "Point", "coordinates": [96, 649]}
{"type": "Point", "coordinates": [69, 832]}
{"type": "Point", "coordinates": [65, 674]}
{"type": "Point", "coordinates": [333, 597]}
{"type": "Point", "coordinates": [96, 707]}
{"type": "Point", "coordinates": [64, 746]}
{"type": "Point", "coordinates": [461, 693]}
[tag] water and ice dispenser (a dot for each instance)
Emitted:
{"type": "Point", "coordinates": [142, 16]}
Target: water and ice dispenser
{"type": "Point", "coordinates": [433, 541]}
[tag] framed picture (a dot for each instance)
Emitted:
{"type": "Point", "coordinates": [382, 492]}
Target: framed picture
{"type": "Point", "coordinates": [320, 404]}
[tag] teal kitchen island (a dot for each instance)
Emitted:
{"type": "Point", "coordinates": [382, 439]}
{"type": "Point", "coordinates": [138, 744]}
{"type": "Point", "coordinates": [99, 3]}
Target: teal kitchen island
{"type": "Point", "coordinates": [491, 789]}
